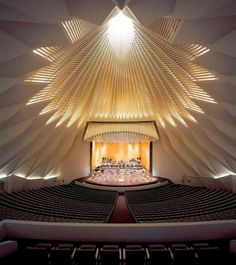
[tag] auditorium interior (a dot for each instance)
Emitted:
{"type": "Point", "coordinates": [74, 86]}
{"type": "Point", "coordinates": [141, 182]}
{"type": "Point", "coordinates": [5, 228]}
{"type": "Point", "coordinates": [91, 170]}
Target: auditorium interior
{"type": "Point", "coordinates": [118, 132]}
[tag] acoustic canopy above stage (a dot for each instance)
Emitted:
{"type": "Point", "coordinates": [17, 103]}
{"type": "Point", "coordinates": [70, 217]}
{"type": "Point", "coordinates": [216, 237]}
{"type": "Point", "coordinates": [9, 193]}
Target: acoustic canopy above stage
{"type": "Point", "coordinates": [125, 132]}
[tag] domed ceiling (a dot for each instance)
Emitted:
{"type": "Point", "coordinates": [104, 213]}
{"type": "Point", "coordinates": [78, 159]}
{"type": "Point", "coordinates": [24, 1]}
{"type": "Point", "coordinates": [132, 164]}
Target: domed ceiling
{"type": "Point", "coordinates": [120, 69]}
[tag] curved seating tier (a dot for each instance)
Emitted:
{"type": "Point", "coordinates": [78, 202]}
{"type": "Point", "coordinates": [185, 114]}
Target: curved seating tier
{"type": "Point", "coordinates": [181, 203]}
{"type": "Point", "coordinates": [66, 203]}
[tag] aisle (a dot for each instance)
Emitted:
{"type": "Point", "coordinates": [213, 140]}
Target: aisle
{"type": "Point", "coordinates": [121, 213]}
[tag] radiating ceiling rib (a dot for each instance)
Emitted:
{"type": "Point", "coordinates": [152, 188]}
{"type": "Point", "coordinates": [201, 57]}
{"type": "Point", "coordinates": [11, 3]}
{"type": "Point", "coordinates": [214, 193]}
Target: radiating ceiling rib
{"type": "Point", "coordinates": [184, 152]}
{"type": "Point", "coordinates": [62, 149]}
{"type": "Point", "coordinates": [219, 62]}
{"type": "Point", "coordinates": [170, 72]}
{"type": "Point", "coordinates": [45, 153]}
{"type": "Point", "coordinates": [205, 30]}
{"type": "Point", "coordinates": [192, 9]}
{"type": "Point", "coordinates": [197, 150]}
{"type": "Point", "coordinates": [35, 146]}
{"type": "Point", "coordinates": [11, 133]}
{"type": "Point", "coordinates": [228, 9]}
{"type": "Point", "coordinates": [8, 112]}
{"type": "Point", "coordinates": [77, 28]}
{"type": "Point", "coordinates": [229, 107]}
{"type": "Point", "coordinates": [8, 82]}
{"type": "Point", "coordinates": [13, 14]}
{"type": "Point", "coordinates": [167, 27]}
{"type": "Point", "coordinates": [147, 12]}
{"type": "Point", "coordinates": [190, 171]}
{"type": "Point", "coordinates": [224, 127]}
{"type": "Point", "coordinates": [210, 147]}
{"type": "Point", "coordinates": [11, 47]}
{"type": "Point", "coordinates": [221, 140]}
{"type": "Point", "coordinates": [48, 12]}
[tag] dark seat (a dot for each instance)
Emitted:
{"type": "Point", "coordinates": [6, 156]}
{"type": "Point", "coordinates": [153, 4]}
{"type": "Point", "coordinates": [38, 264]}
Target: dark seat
{"type": "Point", "coordinates": [184, 256]}
{"type": "Point", "coordinates": [85, 255]}
{"type": "Point", "coordinates": [134, 254]}
{"type": "Point", "coordinates": [60, 256]}
{"type": "Point", "coordinates": [200, 245]}
{"type": "Point", "coordinates": [160, 256]}
{"type": "Point", "coordinates": [156, 246]}
{"type": "Point", "coordinates": [110, 255]}
{"type": "Point", "coordinates": [35, 255]}
{"type": "Point", "coordinates": [175, 246]}
{"type": "Point", "coordinates": [70, 246]}
{"type": "Point", "coordinates": [210, 255]}
{"type": "Point", "coordinates": [48, 246]}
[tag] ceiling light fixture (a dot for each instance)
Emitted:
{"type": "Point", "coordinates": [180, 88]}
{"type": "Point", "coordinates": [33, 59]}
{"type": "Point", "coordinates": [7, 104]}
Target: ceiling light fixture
{"type": "Point", "coordinates": [121, 34]}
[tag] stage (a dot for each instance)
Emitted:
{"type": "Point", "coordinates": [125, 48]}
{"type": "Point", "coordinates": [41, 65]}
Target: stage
{"type": "Point", "coordinates": [122, 179]}
{"type": "Point", "coordinates": [120, 164]}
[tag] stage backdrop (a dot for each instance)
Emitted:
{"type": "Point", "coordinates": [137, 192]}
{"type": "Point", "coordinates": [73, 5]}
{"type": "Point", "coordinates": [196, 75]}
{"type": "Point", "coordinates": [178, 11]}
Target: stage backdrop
{"type": "Point", "coordinates": [120, 151]}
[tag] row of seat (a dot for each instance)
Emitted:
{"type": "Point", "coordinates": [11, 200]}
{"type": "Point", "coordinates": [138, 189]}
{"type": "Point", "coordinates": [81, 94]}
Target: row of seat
{"type": "Point", "coordinates": [76, 192]}
{"type": "Point", "coordinates": [45, 205]}
{"type": "Point", "coordinates": [169, 191]}
{"type": "Point", "coordinates": [187, 204]}
{"type": "Point", "coordinates": [174, 254]}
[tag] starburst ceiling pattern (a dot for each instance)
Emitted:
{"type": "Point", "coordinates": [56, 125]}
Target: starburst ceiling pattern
{"type": "Point", "coordinates": [61, 66]}
{"type": "Point", "coordinates": [121, 70]}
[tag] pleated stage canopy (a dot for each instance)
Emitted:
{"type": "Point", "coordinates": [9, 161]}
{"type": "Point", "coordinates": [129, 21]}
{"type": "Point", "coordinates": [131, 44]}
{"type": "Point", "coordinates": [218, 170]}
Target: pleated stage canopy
{"type": "Point", "coordinates": [107, 132]}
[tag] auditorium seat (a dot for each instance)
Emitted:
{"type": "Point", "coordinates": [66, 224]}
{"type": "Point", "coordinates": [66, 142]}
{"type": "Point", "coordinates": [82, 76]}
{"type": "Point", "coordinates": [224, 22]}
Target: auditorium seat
{"type": "Point", "coordinates": [200, 245]}
{"type": "Point", "coordinates": [183, 256]}
{"type": "Point", "coordinates": [110, 255]}
{"type": "Point", "coordinates": [35, 255]}
{"type": "Point", "coordinates": [86, 255]}
{"type": "Point", "coordinates": [61, 256]}
{"type": "Point", "coordinates": [211, 255]}
{"type": "Point", "coordinates": [134, 254]}
{"type": "Point", "coordinates": [178, 246]}
{"type": "Point", "coordinates": [159, 256]}
{"type": "Point", "coordinates": [48, 246]}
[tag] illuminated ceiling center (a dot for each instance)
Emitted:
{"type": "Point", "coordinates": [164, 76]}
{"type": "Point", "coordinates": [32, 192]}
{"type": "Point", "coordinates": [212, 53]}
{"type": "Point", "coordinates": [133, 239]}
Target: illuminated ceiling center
{"type": "Point", "coordinates": [121, 71]}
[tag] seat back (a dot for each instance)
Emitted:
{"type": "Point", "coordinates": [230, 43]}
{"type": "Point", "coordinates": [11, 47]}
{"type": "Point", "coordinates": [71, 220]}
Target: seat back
{"type": "Point", "coordinates": [60, 256]}
{"type": "Point", "coordinates": [210, 255]}
{"type": "Point", "coordinates": [134, 254]}
{"type": "Point", "coordinates": [110, 255]}
{"type": "Point", "coordinates": [184, 256]}
{"type": "Point", "coordinates": [160, 256]}
{"type": "Point", "coordinates": [35, 255]}
{"type": "Point", "coordinates": [85, 255]}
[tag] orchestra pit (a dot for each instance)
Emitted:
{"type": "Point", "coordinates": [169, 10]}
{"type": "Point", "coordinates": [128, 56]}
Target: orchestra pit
{"type": "Point", "coordinates": [118, 132]}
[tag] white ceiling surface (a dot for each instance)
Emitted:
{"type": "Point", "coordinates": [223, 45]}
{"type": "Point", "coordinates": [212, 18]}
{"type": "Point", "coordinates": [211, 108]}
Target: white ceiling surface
{"type": "Point", "coordinates": [30, 148]}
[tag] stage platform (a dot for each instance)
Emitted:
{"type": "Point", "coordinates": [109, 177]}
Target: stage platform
{"type": "Point", "coordinates": [121, 180]}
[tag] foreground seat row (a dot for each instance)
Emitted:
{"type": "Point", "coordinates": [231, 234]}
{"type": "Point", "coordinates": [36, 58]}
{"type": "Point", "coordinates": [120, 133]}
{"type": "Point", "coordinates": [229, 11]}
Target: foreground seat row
{"type": "Point", "coordinates": [109, 254]}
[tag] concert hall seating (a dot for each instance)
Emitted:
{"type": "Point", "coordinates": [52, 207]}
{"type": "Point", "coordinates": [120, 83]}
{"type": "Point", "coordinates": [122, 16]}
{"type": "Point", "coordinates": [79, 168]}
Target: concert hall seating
{"type": "Point", "coordinates": [66, 203]}
{"type": "Point", "coordinates": [181, 203]}
{"type": "Point", "coordinates": [74, 203]}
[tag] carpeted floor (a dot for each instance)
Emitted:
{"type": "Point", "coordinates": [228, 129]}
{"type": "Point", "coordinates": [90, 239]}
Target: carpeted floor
{"type": "Point", "coordinates": [121, 213]}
